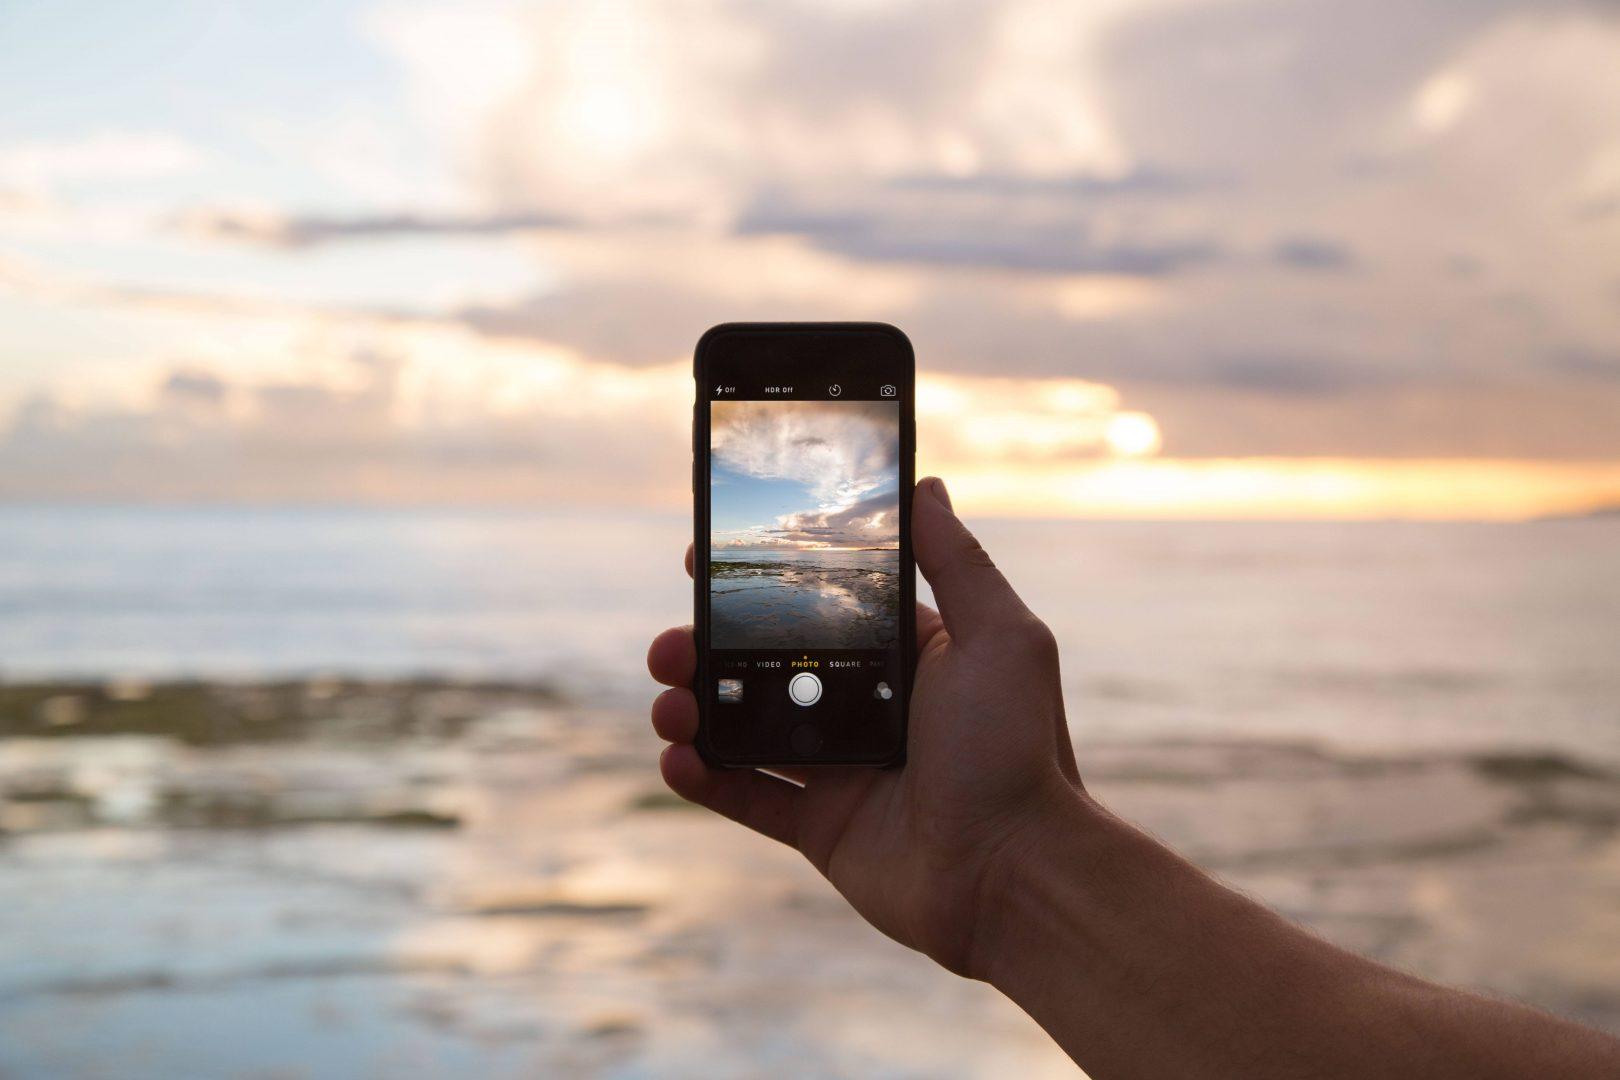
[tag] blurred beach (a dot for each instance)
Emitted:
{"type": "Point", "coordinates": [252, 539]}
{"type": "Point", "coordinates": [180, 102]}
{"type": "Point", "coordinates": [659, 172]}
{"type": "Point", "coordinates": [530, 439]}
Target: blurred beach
{"type": "Point", "coordinates": [319, 792]}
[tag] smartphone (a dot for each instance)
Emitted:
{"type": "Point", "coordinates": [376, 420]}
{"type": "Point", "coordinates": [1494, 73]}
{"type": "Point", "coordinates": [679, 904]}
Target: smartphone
{"type": "Point", "coordinates": [803, 440]}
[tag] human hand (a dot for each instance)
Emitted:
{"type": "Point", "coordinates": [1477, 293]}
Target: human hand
{"type": "Point", "coordinates": [984, 852]}
{"type": "Point", "coordinates": [917, 850]}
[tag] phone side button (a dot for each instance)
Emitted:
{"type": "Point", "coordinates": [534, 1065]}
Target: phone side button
{"type": "Point", "coordinates": [805, 739]}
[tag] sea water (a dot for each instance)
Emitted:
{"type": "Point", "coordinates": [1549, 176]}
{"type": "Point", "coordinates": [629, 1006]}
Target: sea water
{"type": "Point", "coordinates": [550, 910]}
{"type": "Point", "coordinates": [1402, 635]}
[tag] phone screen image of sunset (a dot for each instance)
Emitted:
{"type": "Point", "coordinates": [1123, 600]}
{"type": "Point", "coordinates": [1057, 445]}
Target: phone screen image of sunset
{"type": "Point", "coordinates": [804, 515]}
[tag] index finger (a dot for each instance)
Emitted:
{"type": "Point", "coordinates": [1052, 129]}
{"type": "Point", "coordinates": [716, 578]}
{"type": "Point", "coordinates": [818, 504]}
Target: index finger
{"type": "Point", "coordinates": [672, 657]}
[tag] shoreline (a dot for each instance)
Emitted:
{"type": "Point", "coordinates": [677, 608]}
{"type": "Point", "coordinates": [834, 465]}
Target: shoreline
{"type": "Point", "coordinates": [470, 857]}
{"type": "Point", "coordinates": [426, 715]}
{"type": "Point", "coordinates": [210, 711]}
{"type": "Point", "coordinates": [205, 711]}
{"type": "Point", "coordinates": [790, 604]}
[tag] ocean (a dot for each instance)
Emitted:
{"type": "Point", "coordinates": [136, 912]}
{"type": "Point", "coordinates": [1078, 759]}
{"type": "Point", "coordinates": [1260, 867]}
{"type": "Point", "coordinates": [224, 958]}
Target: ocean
{"type": "Point", "coordinates": [1393, 733]}
{"type": "Point", "coordinates": [1390, 635]}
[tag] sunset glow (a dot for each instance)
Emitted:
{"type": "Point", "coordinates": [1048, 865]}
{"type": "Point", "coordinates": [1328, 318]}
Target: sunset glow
{"type": "Point", "coordinates": [1132, 434]}
{"type": "Point", "coordinates": [473, 272]}
{"type": "Point", "coordinates": [1270, 488]}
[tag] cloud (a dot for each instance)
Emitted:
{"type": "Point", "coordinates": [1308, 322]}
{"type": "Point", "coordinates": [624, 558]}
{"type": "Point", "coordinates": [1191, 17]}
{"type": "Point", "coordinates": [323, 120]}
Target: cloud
{"type": "Point", "coordinates": [686, 110]}
{"type": "Point", "coordinates": [1218, 166]}
{"type": "Point", "coordinates": [1136, 182]}
{"type": "Point", "coordinates": [202, 387]}
{"type": "Point", "coordinates": [1587, 364]}
{"type": "Point", "coordinates": [1382, 229]}
{"type": "Point", "coordinates": [101, 158]}
{"type": "Point", "coordinates": [1312, 253]}
{"type": "Point", "coordinates": [840, 452]}
{"type": "Point", "coordinates": [1071, 223]}
{"type": "Point", "coordinates": [409, 414]}
{"type": "Point", "coordinates": [1293, 374]}
{"type": "Point", "coordinates": [279, 230]}
{"type": "Point", "coordinates": [1013, 421]}
{"type": "Point", "coordinates": [627, 320]}
{"type": "Point", "coordinates": [1272, 88]}
{"type": "Point", "coordinates": [644, 298]}
{"type": "Point", "coordinates": [1060, 237]}
{"type": "Point", "coordinates": [384, 418]}
{"type": "Point", "coordinates": [872, 522]}
{"type": "Point", "coordinates": [1242, 155]}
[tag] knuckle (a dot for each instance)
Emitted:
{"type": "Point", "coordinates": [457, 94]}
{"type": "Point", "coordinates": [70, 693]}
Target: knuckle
{"type": "Point", "coordinates": [1038, 638]}
{"type": "Point", "coordinates": [973, 554]}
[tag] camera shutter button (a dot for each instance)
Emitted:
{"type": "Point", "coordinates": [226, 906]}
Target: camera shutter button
{"type": "Point", "coordinates": [804, 688]}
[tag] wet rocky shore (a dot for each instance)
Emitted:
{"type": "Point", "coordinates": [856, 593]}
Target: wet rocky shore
{"type": "Point", "coordinates": [326, 877]}
{"type": "Point", "coordinates": [757, 605]}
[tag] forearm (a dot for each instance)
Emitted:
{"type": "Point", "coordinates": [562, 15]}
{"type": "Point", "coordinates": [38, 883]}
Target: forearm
{"type": "Point", "coordinates": [1140, 965]}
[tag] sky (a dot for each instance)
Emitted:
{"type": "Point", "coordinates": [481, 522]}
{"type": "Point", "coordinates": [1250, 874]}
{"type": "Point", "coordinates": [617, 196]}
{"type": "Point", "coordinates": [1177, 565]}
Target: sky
{"type": "Point", "coordinates": [1159, 258]}
{"type": "Point", "coordinates": [804, 475]}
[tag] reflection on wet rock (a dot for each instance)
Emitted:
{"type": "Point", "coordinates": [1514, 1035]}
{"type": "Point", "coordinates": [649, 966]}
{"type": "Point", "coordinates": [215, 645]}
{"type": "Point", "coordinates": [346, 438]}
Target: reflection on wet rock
{"type": "Point", "coordinates": [842, 600]}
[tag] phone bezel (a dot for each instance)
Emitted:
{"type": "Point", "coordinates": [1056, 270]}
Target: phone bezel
{"type": "Point", "coordinates": [905, 378]}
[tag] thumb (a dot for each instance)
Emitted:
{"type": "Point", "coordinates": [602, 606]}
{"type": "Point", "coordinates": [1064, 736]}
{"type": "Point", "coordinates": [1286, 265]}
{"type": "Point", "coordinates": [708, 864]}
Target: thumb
{"type": "Point", "coordinates": [974, 599]}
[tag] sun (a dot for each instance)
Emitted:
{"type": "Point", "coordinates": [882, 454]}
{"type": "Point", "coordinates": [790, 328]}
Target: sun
{"type": "Point", "coordinates": [1132, 434]}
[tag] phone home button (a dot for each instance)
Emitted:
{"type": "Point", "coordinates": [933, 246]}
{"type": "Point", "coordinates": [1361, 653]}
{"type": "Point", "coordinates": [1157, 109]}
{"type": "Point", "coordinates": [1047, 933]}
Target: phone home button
{"type": "Point", "coordinates": [805, 740]}
{"type": "Point", "coordinates": [804, 688]}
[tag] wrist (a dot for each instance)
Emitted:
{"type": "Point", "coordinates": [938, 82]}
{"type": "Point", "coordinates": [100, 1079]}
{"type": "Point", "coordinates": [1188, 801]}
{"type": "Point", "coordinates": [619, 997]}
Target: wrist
{"type": "Point", "coordinates": [1100, 933]}
{"type": "Point", "coordinates": [1010, 915]}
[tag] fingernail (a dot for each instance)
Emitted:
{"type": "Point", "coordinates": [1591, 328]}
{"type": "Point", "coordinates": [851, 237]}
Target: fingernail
{"type": "Point", "coordinates": [936, 488]}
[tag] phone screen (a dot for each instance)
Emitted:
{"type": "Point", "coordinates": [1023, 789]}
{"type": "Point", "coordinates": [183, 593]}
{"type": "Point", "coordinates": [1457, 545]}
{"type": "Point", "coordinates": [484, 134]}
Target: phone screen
{"type": "Point", "coordinates": [804, 572]}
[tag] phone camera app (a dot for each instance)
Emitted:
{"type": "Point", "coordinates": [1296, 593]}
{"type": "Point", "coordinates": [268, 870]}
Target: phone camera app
{"type": "Point", "coordinates": [731, 691]}
{"type": "Point", "coordinates": [825, 574]}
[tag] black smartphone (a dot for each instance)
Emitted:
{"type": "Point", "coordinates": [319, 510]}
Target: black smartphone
{"type": "Point", "coordinates": [803, 463]}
